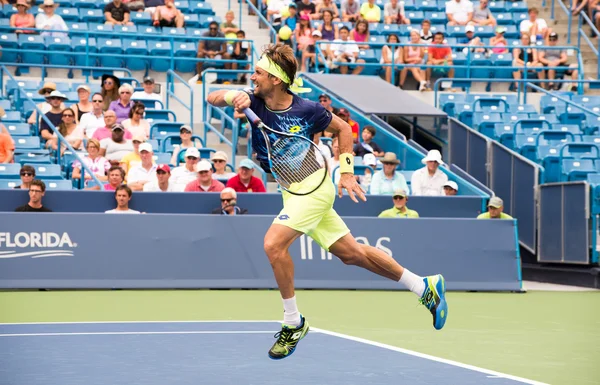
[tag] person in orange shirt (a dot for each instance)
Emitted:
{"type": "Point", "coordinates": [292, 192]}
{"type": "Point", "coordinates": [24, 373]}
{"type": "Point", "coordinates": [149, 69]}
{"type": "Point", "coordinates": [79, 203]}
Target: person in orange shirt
{"type": "Point", "coordinates": [7, 146]}
{"type": "Point", "coordinates": [344, 114]}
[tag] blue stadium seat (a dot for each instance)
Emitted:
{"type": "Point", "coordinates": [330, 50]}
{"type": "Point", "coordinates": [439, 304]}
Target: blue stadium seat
{"type": "Point", "coordinates": [494, 6]}
{"type": "Point", "coordinates": [549, 117]}
{"type": "Point", "coordinates": [192, 20]}
{"type": "Point", "coordinates": [89, 4]}
{"type": "Point", "coordinates": [161, 130]}
{"type": "Point", "coordinates": [426, 5]}
{"type": "Point", "coordinates": [377, 39]}
{"type": "Point", "coordinates": [91, 15]}
{"type": "Point", "coordinates": [76, 27]}
{"type": "Point", "coordinates": [25, 143]}
{"type": "Point", "coordinates": [480, 60]}
{"type": "Point", "coordinates": [459, 59]}
{"type": "Point", "coordinates": [504, 18]}
{"type": "Point", "coordinates": [416, 17]}
{"type": "Point", "coordinates": [194, 33]}
{"type": "Point", "coordinates": [4, 24]}
{"type": "Point", "coordinates": [572, 128]}
{"type": "Point", "coordinates": [32, 158]}
{"type": "Point", "coordinates": [188, 50]}
{"type": "Point", "coordinates": [183, 6]}
{"type": "Point", "coordinates": [30, 43]}
{"type": "Point", "coordinates": [201, 8]}
{"type": "Point", "coordinates": [9, 184]}
{"type": "Point", "coordinates": [5, 104]}
{"type": "Point", "coordinates": [8, 10]}
{"type": "Point", "coordinates": [9, 41]}
{"type": "Point", "coordinates": [501, 60]}
{"type": "Point", "coordinates": [81, 46]}
{"type": "Point", "coordinates": [47, 171]}
{"type": "Point", "coordinates": [153, 115]}
{"type": "Point", "coordinates": [592, 124]}
{"type": "Point", "coordinates": [551, 104]}
{"type": "Point", "coordinates": [484, 122]}
{"type": "Point", "coordinates": [68, 14]}
{"type": "Point", "coordinates": [173, 32]}
{"type": "Point", "coordinates": [522, 108]}
{"type": "Point", "coordinates": [169, 141]}
{"type": "Point", "coordinates": [150, 30]}
{"type": "Point", "coordinates": [572, 116]}
{"type": "Point", "coordinates": [484, 32]}
{"type": "Point", "coordinates": [591, 139]}
{"type": "Point", "coordinates": [517, 6]}
{"type": "Point", "coordinates": [100, 27]}
{"type": "Point", "coordinates": [135, 47]}
{"type": "Point", "coordinates": [18, 129]}
{"type": "Point", "coordinates": [62, 44]}
{"type": "Point", "coordinates": [58, 184]}
{"type": "Point", "coordinates": [108, 47]}
{"type": "Point", "coordinates": [512, 32]}
{"type": "Point", "coordinates": [141, 18]}
{"type": "Point", "coordinates": [448, 101]}
{"type": "Point", "coordinates": [436, 17]}
{"type": "Point", "coordinates": [161, 158]}
{"type": "Point", "coordinates": [65, 3]}
{"type": "Point", "coordinates": [10, 170]}
{"type": "Point", "coordinates": [205, 20]}
{"type": "Point", "coordinates": [154, 144]}
{"type": "Point", "coordinates": [159, 48]}
{"type": "Point", "coordinates": [577, 169]}
{"type": "Point", "coordinates": [386, 29]}
{"type": "Point", "coordinates": [12, 117]}
{"type": "Point", "coordinates": [585, 99]}
{"type": "Point", "coordinates": [125, 31]}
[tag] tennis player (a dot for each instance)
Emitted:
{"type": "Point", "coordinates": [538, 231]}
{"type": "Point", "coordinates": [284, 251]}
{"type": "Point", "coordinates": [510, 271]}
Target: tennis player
{"type": "Point", "coordinates": [275, 102]}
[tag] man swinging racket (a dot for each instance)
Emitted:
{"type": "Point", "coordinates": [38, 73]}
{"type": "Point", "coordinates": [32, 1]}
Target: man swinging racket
{"type": "Point", "coordinates": [277, 115]}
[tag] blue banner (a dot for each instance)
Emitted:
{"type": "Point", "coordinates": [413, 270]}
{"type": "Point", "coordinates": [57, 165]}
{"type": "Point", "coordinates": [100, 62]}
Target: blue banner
{"type": "Point", "coordinates": [202, 251]}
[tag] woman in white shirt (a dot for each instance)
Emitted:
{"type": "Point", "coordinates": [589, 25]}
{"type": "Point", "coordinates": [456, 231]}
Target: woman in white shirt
{"type": "Point", "coordinates": [49, 20]}
{"type": "Point", "coordinates": [386, 56]}
{"type": "Point", "coordinates": [429, 180]}
{"type": "Point", "coordinates": [96, 163]}
{"type": "Point", "coordinates": [136, 124]}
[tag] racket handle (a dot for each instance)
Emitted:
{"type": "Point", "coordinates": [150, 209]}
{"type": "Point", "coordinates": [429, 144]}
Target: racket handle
{"type": "Point", "coordinates": [252, 116]}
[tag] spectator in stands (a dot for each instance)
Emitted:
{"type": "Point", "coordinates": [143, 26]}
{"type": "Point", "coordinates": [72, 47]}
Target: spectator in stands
{"type": "Point", "coordinates": [204, 181]}
{"type": "Point", "coordinates": [22, 19]}
{"type": "Point", "coordinates": [168, 16]}
{"type": "Point", "coordinates": [244, 181]}
{"type": "Point", "coordinates": [350, 11]}
{"type": "Point", "coordinates": [292, 20]}
{"type": "Point", "coordinates": [148, 93]}
{"type": "Point", "coordinates": [122, 196]}
{"type": "Point", "coordinates": [303, 33]}
{"type": "Point", "coordinates": [329, 30]}
{"type": "Point", "coordinates": [219, 160]}
{"type": "Point", "coordinates": [328, 5]}
{"type": "Point", "coordinates": [110, 118]}
{"type": "Point", "coordinates": [343, 50]}
{"type": "Point", "coordinates": [49, 20]}
{"type": "Point", "coordinates": [495, 207]}
{"type": "Point", "coordinates": [99, 165]}
{"type": "Point", "coordinates": [365, 179]}
{"type": "Point", "coordinates": [387, 53]}
{"type": "Point", "coordinates": [55, 99]}
{"type": "Point", "coordinates": [393, 13]}
{"type": "Point", "coordinates": [429, 180]}
{"type": "Point", "coordinates": [307, 7]}
{"type": "Point", "coordinates": [110, 89]}
{"type": "Point", "coordinates": [360, 34]}
{"type": "Point", "coordinates": [459, 12]}
{"type": "Point", "coordinates": [577, 6]}
{"type": "Point", "coordinates": [44, 106]}
{"type": "Point", "coordinates": [7, 145]}
{"type": "Point", "coordinates": [116, 177]}
{"type": "Point", "coordinates": [228, 203]}
{"type": "Point", "coordinates": [229, 28]}
{"type": "Point", "coordinates": [556, 57]}
{"type": "Point", "coordinates": [133, 158]}
{"type": "Point", "coordinates": [344, 114]}
{"type": "Point", "coordinates": [531, 62]}
{"type": "Point", "coordinates": [482, 15]}
{"type": "Point", "coordinates": [275, 9]}
{"type": "Point", "coordinates": [325, 101]}
{"type": "Point", "coordinates": [117, 13]}
{"type": "Point", "coordinates": [471, 40]}
{"type": "Point", "coordinates": [183, 175]}
{"type": "Point", "coordinates": [145, 172]}
{"type": "Point", "coordinates": [536, 28]}
{"type": "Point", "coordinates": [450, 188]}
{"type": "Point", "coordinates": [414, 55]}
{"type": "Point", "coordinates": [123, 105]}
{"type": "Point", "coordinates": [241, 49]}
{"type": "Point", "coordinates": [70, 131]}
{"type": "Point", "coordinates": [386, 181]}
{"type": "Point", "coordinates": [27, 174]}
{"type": "Point", "coordinates": [161, 183]}
{"type": "Point", "coordinates": [185, 134]}
{"type": "Point", "coordinates": [84, 105]}
{"type": "Point", "coordinates": [367, 146]}
{"type": "Point", "coordinates": [211, 49]}
{"type": "Point", "coordinates": [440, 55]}
{"type": "Point", "coordinates": [400, 197]}
{"type": "Point", "coordinates": [499, 43]}
{"type": "Point", "coordinates": [151, 5]}
{"type": "Point", "coordinates": [135, 5]}
{"type": "Point", "coordinates": [136, 124]}
{"type": "Point", "coordinates": [370, 11]}
{"type": "Point", "coordinates": [309, 54]}
{"type": "Point", "coordinates": [37, 190]}
{"type": "Point", "coordinates": [115, 147]}
{"type": "Point", "coordinates": [425, 33]}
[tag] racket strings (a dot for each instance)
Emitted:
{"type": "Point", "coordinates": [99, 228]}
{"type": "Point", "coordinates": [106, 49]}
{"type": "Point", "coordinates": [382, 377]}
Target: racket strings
{"type": "Point", "coordinates": [294, 160]}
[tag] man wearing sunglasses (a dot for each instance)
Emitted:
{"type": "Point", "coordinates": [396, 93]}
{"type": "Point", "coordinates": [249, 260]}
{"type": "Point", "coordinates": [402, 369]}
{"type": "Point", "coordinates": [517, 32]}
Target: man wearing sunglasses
{"type": "Point", "coordinates": [399, 210]}
{"type": "Point", "coordinates": [212, 49]}
{"type": "Point", "coordinates": [228, 203]}
{"type": "Point", "coordinates": [37, 190]}
{"type": "Point", "coordinates": [55, 99]}
{"type": "Point", "coordinates": [93, 120]}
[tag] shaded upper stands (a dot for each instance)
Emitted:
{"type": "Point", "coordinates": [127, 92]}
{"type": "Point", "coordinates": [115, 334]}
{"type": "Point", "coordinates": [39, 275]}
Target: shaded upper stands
{"type": "Point", "coordinates": [562, 138]}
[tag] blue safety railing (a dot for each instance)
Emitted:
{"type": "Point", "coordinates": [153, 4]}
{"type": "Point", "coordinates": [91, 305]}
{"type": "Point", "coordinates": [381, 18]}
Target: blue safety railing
{"type": "Point", "coordinates": [262, 20]}
{"type": "Point", "coordinates": [61, 140]}
{"type": "Point", "coordinates": [171, 78]}
{"type": "Point", "coordinates": [582, 35]}
{"type": "Point", "coordinates": [559, 97]}
{"type": "Point", "coordinates": [567, 13]}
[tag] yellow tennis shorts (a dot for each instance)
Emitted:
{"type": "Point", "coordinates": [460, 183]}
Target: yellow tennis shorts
{"type": "Point", "coordinates": [313, 214]}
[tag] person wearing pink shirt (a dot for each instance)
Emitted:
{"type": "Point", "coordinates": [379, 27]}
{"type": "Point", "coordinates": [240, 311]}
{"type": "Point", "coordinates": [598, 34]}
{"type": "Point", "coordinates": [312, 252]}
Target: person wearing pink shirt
{"type": "Point", "coordinates": [205, 182]}
{"type": "Point", "coordinates": [110, 119]}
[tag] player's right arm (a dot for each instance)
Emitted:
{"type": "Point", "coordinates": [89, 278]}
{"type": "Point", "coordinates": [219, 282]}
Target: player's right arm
{"type": "Point", "coordinates": [239, 100]}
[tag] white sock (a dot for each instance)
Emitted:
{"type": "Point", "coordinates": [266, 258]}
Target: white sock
{"type": "Point", "coordinates": [291, 315]}
{"type": "Point", "coordinates": [412, 282]}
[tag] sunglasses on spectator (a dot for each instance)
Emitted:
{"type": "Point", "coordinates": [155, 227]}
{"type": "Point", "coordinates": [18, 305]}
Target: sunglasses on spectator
{"type": "Point", "coordinates": [97, 101]}
{"type": "Point", "coordinates": [91, 146]}
{"type": "Point", "coordinates": [213, 28]}
{"type": "Point", "coordinates": [55, 98]}
{"type": "Point", "coordinates": [125, 92]}
{"type": "Point", "coordinates": [227, 200]}
{"type": "Point", "coordinates": [26, 174]}
{"type": "Point", "coordinates": [192, 157]}
{"type": "Point", "coordinates": [161, 172]}
{"type": "Point", "coordinates": [139, 113]}
{"type": "Point", "coordinates": [398, 198]}
{"type": "Point", "coordinates": [108, 82]}
{"type": "Point", "coordinates": [218, 161]}
{"type": "Point", "coordinates": [68, 116]}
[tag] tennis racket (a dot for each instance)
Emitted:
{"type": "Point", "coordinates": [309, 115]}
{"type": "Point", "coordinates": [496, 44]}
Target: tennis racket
{"type": "Point", "coordinates": [296, 162]}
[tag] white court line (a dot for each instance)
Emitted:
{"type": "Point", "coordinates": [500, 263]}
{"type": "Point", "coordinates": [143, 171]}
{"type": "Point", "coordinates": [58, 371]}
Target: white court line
{"type": "Point", "coordinates": [490, 373]}
{"type": "Point", "coordinates": [429, 357]}
{"type": "Point", "coordinates": [137, 333]}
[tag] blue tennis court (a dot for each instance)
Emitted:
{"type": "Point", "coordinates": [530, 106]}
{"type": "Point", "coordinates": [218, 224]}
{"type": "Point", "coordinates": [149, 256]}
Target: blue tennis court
{"type": "Point", "coordinates": [227, 352]}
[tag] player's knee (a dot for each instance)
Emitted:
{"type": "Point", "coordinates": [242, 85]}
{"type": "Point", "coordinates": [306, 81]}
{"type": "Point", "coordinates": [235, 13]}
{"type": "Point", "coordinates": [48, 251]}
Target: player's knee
{"type": "Point", "coordinates": [273, 249]}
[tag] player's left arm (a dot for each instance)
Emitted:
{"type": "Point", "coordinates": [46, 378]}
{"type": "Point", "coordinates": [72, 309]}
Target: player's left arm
{"type": "Point", "coordinates": [347, 180]}
{"type": "Point", "coordinates": [238, 99]}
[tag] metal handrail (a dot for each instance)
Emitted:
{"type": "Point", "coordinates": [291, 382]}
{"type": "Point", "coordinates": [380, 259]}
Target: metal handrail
{"type": "Point", "coordinates": [581, 33]}
{"type": "Point", "coordinates": [562, 99]}
{"type": "Point", "coordinates": [261, 19]}
{"type": "Point", "coordinates": [567, 13]}
{"type": "Point", "coordinates": [171, 77]}
{"type": "Point", "coordinates": [61, 139]}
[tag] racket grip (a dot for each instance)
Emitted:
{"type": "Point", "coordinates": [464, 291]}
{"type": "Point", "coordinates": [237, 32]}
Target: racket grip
{"type": "Point", "coordinates": [252, 116]}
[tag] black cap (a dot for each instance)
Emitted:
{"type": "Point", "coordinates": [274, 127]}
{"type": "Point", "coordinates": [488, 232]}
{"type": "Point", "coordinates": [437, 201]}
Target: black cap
{"type": "Point", "coordinates": [148, 79]}
{"type": "Point", "coordinates": [324, 96]}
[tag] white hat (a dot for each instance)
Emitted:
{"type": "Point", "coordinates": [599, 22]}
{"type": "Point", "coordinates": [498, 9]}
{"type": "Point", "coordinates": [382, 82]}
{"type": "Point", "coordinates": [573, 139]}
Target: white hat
{"type": "Point", "coordinates": [192, 151]}
{"type": "Point", "coordinates": [203, 165]}
{"type": "Point", "coordinates": [219, 155]}
{"type": "Point", "coordinates": [318, 33]}
{"type": "Point", "coordinates": [451, 184]}
{"type": "Point", "coordinates": [145, 147]}
{"type": "Point", "coordinates": [369, 160]}
{"type": "Point", "coordinates": [435, 156]}
{"type": "Point", "coordinates": [84, 87]}
{"type": "Point", "coordinates": [56, 94]}
{"type": "Point", "coordinates": [495, 202]}
{"type": "Point", "coordinates": [469, 28]}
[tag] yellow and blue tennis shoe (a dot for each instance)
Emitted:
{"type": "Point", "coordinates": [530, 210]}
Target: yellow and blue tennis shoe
{"type": "Point", "coordinates": [434, 299]}
{"type": "Point", "coordinates": [287, 340]}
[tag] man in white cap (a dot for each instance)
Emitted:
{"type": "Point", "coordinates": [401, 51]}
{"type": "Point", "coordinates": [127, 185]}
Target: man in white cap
{"type": "Point", "coordinates": [399, 210]}
{"type": "Point", "coordinates": [148, 93]}
{"type": "Point", "coordinates": [244, 181]}
{"type": "Point", "coordinates": [161, 184]}
{"type": "Point", "coordinates": [183, 175]}
{"type": "Point", "coordinates": [429, 180]}
{"type": "Point", "coordinates": [204, 181]}
{"type": "Point", "coordinates": [55, 99]}
{"type": "Point", "coordinates": [495, 207]}
{"type": "Point", "coordinates": [219, 161]}
{"type": "Point", "coordinates": [139, 175]}
{"type": "Point", "coordinates": [450, 188]}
